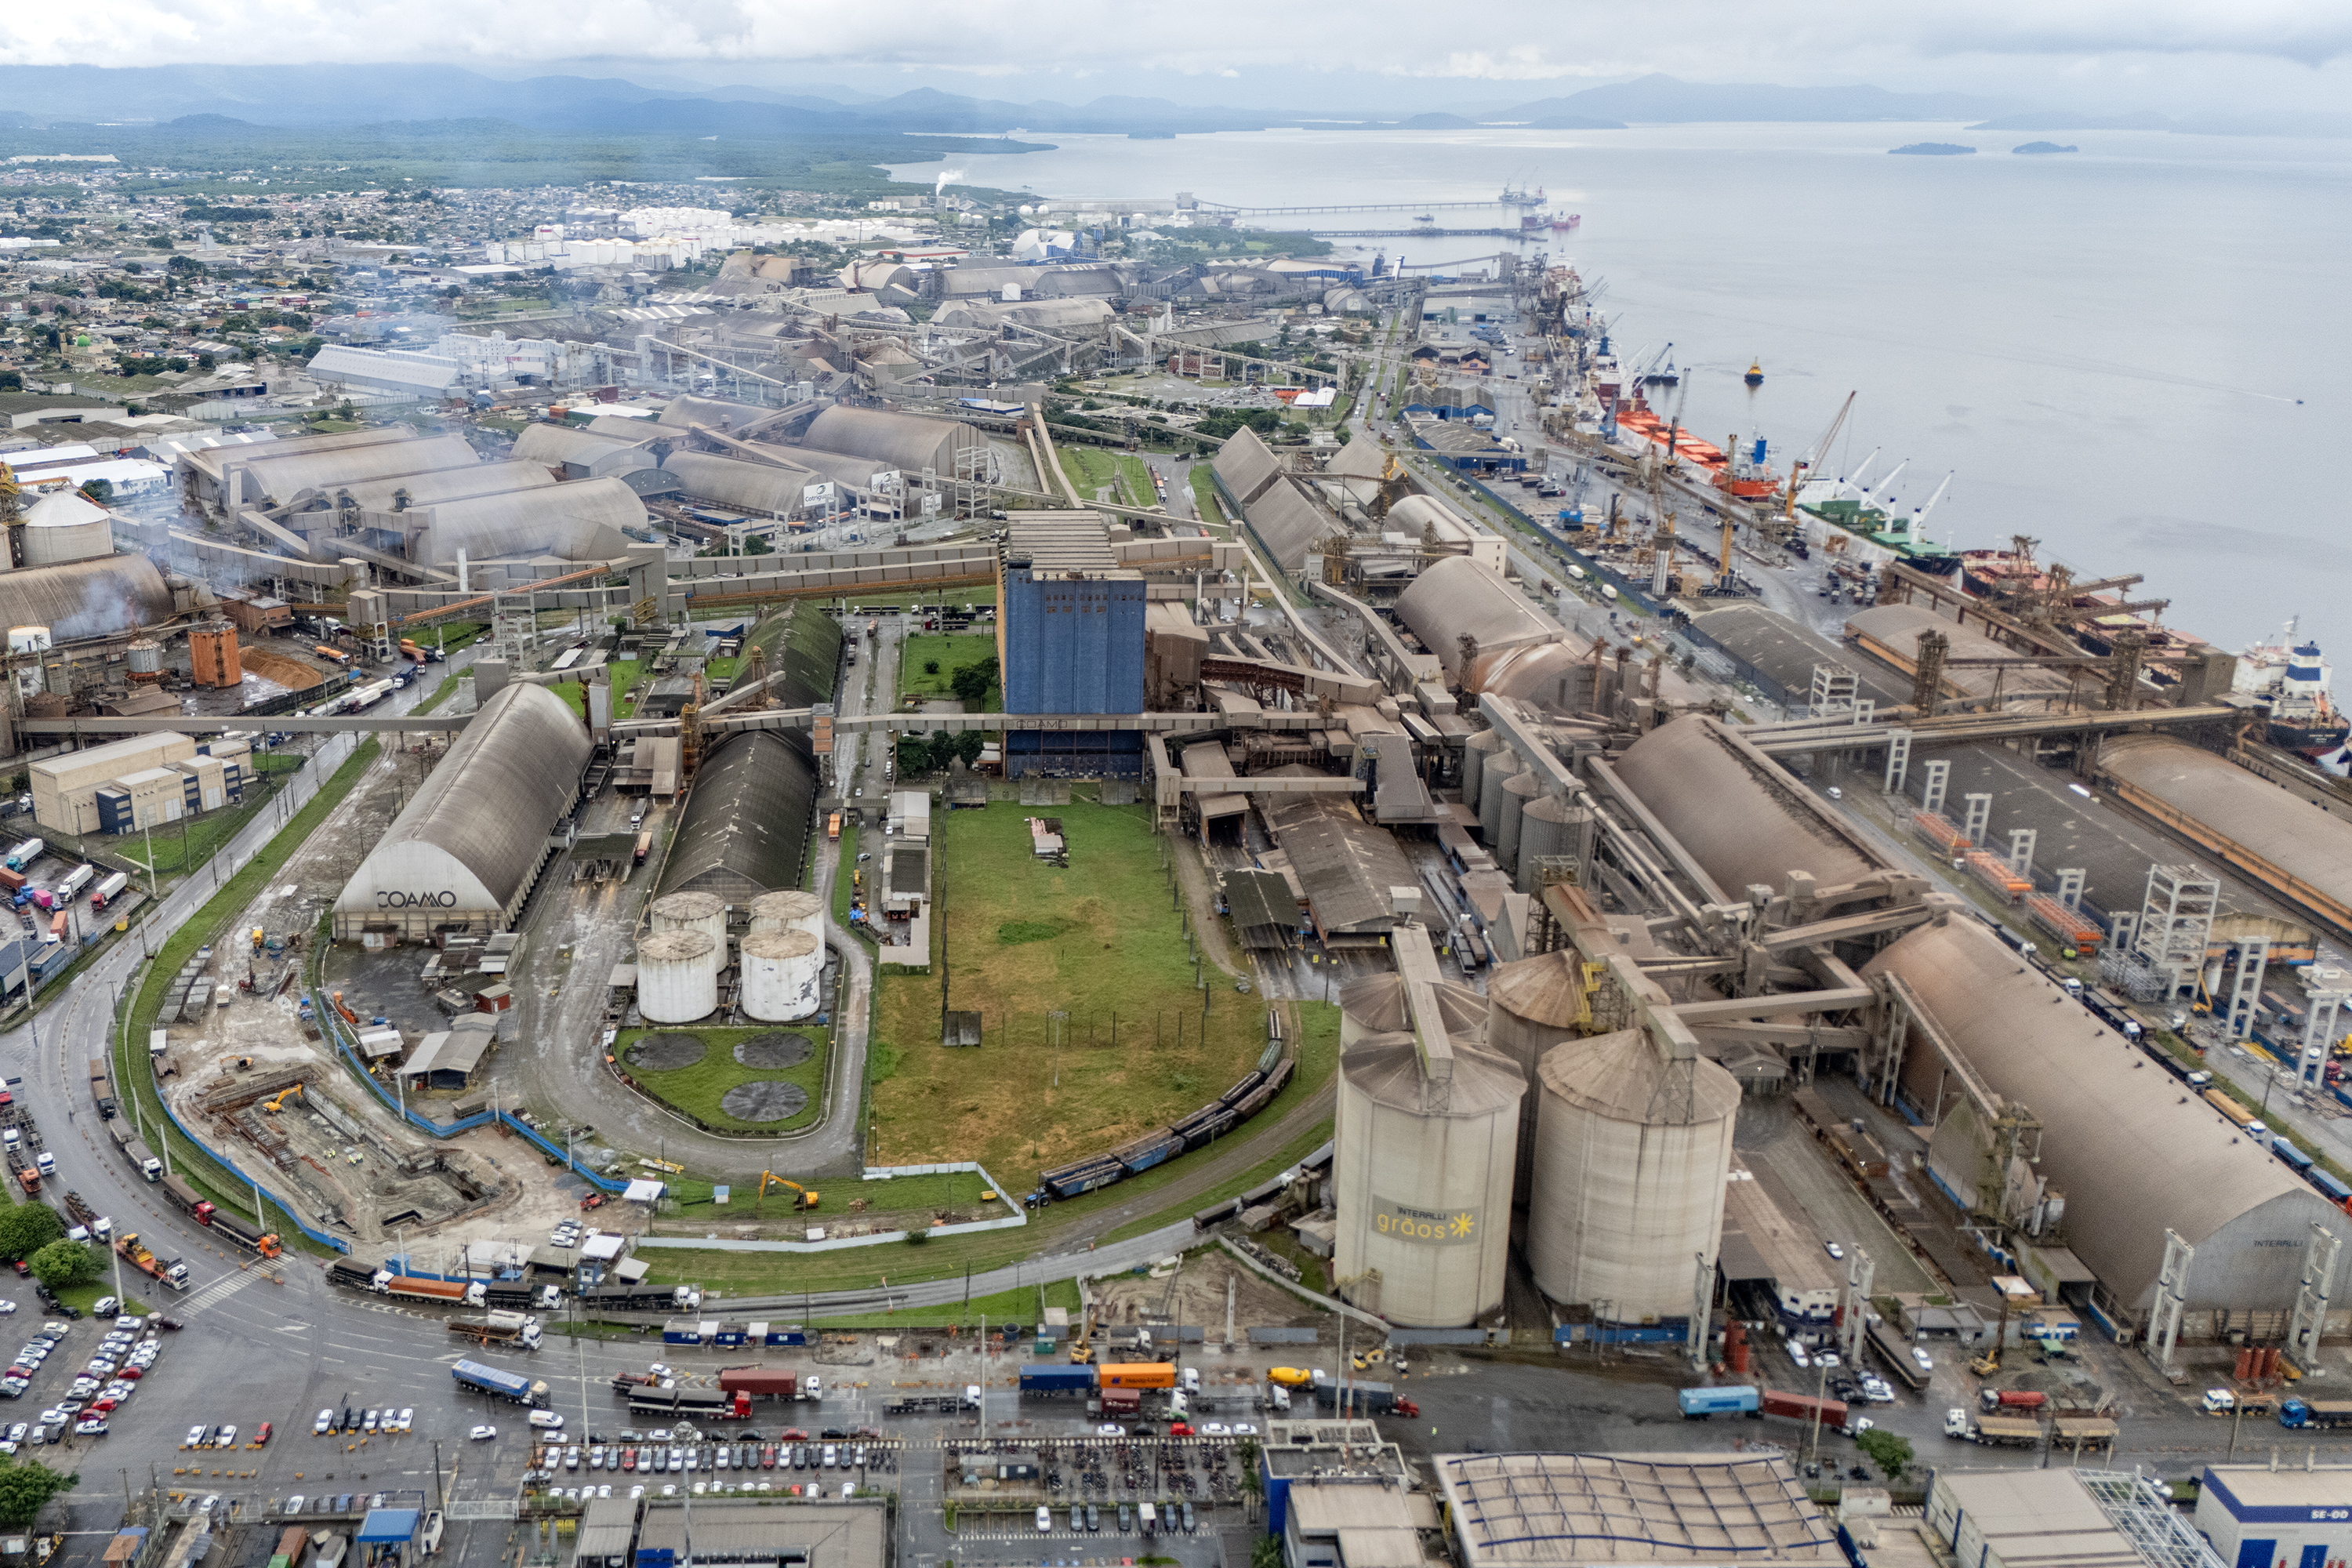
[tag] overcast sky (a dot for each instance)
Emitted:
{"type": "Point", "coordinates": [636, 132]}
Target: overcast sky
{"type": "Point", "coordinates": [2092, 54]}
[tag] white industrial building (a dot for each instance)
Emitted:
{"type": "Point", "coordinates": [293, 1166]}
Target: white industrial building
{"type": "Point", "coordinates": [343, 367]}
{"type": "Point", "coordinates": [2258, 1517]}
{"type": "Point", "coordinates": [1566, 1510]}
{"type": "Point", "coordinates": [2083, 1519]}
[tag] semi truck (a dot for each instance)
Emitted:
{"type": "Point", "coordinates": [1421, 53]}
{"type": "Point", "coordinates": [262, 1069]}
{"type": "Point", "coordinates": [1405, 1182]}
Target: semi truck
{"type": "Point", "coordinates": [189, 1203]}
{"type": "Point", "coordinates": [245, 1233]}
{"type": "Point", "coordinates": [760, 1381]}
{"type": "Point", "coordinates": [144, 1158]}
{"type": "Point", "coordinates": [1136, 1374]}
{"type": "Point", "coordinates": [2000, 1431]}
{"type": "Point", "coordinates": [134, 1252]}
{"type": "Point", "coordinates": [443, 1292]}
{"type": "Point", "coordinates": [2315, 1412]}
{"type": "Point", "coordinates": [1735, 1399]}
{"type": "Point", "coordinates": [24, 854]}
{"type": "Point", "coordinates": [499, 1327]}
{"type": "Point", "coordinates": [499, 1384]}
{"type": "Point", "coordinates": [710, 1403]}
{"type": "Point", "coordinates": [106, 892]}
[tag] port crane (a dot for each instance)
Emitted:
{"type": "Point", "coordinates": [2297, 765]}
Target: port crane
{"type": "Point", "coordinates": [1815, 455]}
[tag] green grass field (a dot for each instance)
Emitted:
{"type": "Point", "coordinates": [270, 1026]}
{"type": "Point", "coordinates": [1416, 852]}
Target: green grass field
{"type": "Point", "coordinates": [697, 1089]}
{"type": "Point", "coordinates": [1135, 478]}
{"type": "Point", "coordinates": [1205, 504]}
{"type": "Point", "coordinates": [952, 651]}
{"type": "Point", "coordinates": [1023, 939]}
{"type": "Point", "coordinates": [1091, 468]}
{"type": "Point", "coordinates": [1063, 1225]}
{"type": "Point", "coordinates": [1026, 1305]}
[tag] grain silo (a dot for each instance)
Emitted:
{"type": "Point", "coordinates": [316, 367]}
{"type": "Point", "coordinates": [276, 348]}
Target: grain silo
{"type": "Point", "coordinates": [781, 974]}
{"type": "Point", "coordinates": [1533, 1005]}
{"type": "Point", "coordinates": [1547, 830]}
{"type": "Point", "coordinates": [703, 913]}
{"type": "Point", "coordinates": [1626, 1209]}
{"type": "Point", "coordinates": [792, 909]}
{"type": "Point", "coordinates": [1500, 769]}
{"type": "Point", "coordinates": [1519, 791]}
{"type": "Point", "coordinates": [1428, 1128]}
{"type": "Point", "coordinates": [1476, 753]}
{"type": "Point", "coordinates": [65, 526]}
{"type": "Point", "coordinates": [676, 981]}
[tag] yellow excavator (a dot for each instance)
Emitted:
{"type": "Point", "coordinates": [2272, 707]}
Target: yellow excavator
{"type": "Point", "coordinates": [806, 1199]}
{"type": "Point", "coordinates": [279, 1103]}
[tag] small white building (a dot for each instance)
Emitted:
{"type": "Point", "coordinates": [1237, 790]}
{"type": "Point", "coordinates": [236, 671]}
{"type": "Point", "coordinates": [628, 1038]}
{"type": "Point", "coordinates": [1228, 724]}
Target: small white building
{"type": "Point", "coordinates": [2259, 1518]}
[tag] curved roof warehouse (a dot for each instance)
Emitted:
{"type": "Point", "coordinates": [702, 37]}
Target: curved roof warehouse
{"type": "Point", "coordinates": [464, 852]}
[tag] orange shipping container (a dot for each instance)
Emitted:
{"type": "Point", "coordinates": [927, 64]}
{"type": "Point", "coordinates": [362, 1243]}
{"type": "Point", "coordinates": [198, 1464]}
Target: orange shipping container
{"type": "Point", "coordinates": [1138, 1374]}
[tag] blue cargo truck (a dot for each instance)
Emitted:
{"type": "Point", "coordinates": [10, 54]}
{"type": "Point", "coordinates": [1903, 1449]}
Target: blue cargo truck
{"type": "Point", "coordinates": [1056, 1377]}
{"type": "Point", "coordinates": [507, 1385]}
{"type": "Point", "coordinates": [1733, 1399]}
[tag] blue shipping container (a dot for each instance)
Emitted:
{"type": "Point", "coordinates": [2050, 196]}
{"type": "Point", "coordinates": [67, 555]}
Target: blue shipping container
{"type": "Point", "coordinates": [2336, 1191]}
{"type": "Point", "coordinates": [1735, 1399]}
{"type": "Point", "coordinates": [2292, 1155]}
{"type": "Point", "coordinates": [1056, 1377]}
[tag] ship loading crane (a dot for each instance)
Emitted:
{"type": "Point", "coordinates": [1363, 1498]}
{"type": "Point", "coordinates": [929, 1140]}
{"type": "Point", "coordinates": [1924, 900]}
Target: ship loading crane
{"type": "Point", "coordinates": [1815, 455]}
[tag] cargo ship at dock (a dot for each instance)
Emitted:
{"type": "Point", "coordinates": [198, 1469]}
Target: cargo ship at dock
{"type": "Point", "coordinates": [2293, 678]}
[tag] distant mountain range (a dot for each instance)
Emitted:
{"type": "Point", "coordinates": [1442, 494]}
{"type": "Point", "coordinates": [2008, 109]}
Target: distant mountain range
{"type": "Point", "coordinates": [344, 95]}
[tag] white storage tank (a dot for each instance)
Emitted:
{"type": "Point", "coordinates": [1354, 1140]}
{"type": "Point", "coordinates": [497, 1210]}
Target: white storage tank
{"type": "Point", "coordinates": [1476, 753]}
{"type": "Point", "coordinates": [1632, 1155]}
{"type": "Point", "coordinates": [65, 526]}
{"type": "Point", "coordinates": [146, 661]}
{"type": "Point", "coordinates": [703, 913]}
{"type": "Point", "coordinates": [782, 972]}
{"type": "Point", "coordinates": [1374, 1004]}
{"type": "Point", "coordinates": [793, 909]}
{"type": "Point", "coordinates": [677, 982]}
{"type": "Point", "coordinates": [1421, 1180]}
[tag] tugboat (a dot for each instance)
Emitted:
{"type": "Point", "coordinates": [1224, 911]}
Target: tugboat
{"type": "Point", "coordinates": [2295, 678]}
{"type": "Point", "coordinates": [1755, 376]}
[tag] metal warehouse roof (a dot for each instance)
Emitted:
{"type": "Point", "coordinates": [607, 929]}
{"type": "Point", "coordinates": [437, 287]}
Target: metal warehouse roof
{"type": "Point", "coordinates": [1346, 866]}
{"type": "Point", "coordinates": [85, 598]}
{"type": "Point", "coordinates": [744, 831]}
{"type": "Point", "coordinates": [1565, 1509]}
{"type": "Point", "coordinates": [2132, 1151]}
{"type": "Point", "coordinates": [488, 808]}
{"type": "Point", "coordinates": [577, 522]}
{"type": "Point", "coordinates": [2226, 801]}
{"type": "Point", "coordinates": [1458, 596]}
{"type": "Point", "coordinates": [1247, 465]}
{"type": "Point", "coordinates": [908, 441]}
{"type": "Point", "coordinates": [1744, 819]}
{"type": "Point", "coordinates": [1286, 521]}
{"type": "Point", "coordinates": [1785, 651]}
{"type": "Point", "coordinates": [1891, 633]}
{"type": "Point", "coordinates": [732, 482]}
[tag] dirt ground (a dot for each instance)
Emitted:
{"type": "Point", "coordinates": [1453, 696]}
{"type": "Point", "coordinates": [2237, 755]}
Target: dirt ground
{"type": "Point", "coordinates": [1197, 1295]}
{"type": "Point", "coordinates": [526, 1198]}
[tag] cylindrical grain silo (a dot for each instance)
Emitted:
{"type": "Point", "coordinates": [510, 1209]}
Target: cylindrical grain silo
{"type": "Point", "coordinates": [793, 909]}
{"type": "Point", "coordinates": [1500, 768]}
{"type": "Point", "coordinates": [703, 913]}
{"type": "Point", "coordinates": [65, 526]}
{"type": "Point", "coordinates": [1476, 753]}
{"type": "Point", "coordinates": [1543, 834]}
{"type": "Point", "coordinates": [676, 981]}
{"type": "Point", "coordinates": [1519, 790]}
{"type": "Point", "coordinates": [781, 974]}
{"type": "Point", "coordinates": [146, 661]}
{"type": "Point", "coordinates": [1532, 1006]}
{"type": "Point", "coordinates": [1632, 1155]}
{"type": "Point", "coordinates": [1421, 1178]}
{"type": "Point", "coordinates": [1375, 1004]}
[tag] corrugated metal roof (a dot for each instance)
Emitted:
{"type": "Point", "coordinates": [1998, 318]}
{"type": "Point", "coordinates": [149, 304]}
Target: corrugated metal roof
{"type": "Point", "coordinates": [551, 444]}
{"type": "Point", "coordinates": [732, 482]}
{"type": "Point", "coordinates": [85, 598]}
{"type": "Point", "coordinates": [285, 470]}
{"type": "Point", "coordinates": [745, 828]}
{"type": "Point", "coordinates": [1458, 596]}
{"type": "Point", "coordinates": [1896, 628]}
{"type": "Point", "coordinates": [1286, 522]}
{"type": "Point", "coordinates": [581, 520]}
{"type": "Point", "coordinates": [508, 776]}
{"type": "Point", "coordinates": [2131, 1150]}
{"type": "Point", "coordinates": [1247, 465]}
{"type": "Point", "coordinates": [907, 441]}
{"type": "Point", "coordinates": [2313, 843]}
{"type": "Point", "coordinates": [1386, 1068]}
{"type": "Point", "coordinates": [1345, 864]}
{"type": "Point", "coordinates": [1746, 821]}
{"type": "Point", "coordinates": [434, 487]}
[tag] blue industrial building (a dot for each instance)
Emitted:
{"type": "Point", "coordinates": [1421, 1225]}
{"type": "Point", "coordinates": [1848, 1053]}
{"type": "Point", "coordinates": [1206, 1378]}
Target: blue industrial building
{"type": "Point", "coordinates": [1069, 639]}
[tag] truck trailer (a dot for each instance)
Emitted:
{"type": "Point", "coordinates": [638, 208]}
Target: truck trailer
{"type": "Point", "coordinates": [1056, 1377]}
{"type": "Point", "coordinates": [444, 1292]}
{"type": "Point", "coordinates": [2315, 1412]}
{"type": "Point", "coordinates": [760, 1381]}
{"type": "Point", "coordinates": [499, 1327]}
{"type": "Point", "coordinates": [1803, 1407]}
{"type": "Point", "coordinates": [1733, 1399]}
{"type": "Point", "coordinates": [505, 1386]}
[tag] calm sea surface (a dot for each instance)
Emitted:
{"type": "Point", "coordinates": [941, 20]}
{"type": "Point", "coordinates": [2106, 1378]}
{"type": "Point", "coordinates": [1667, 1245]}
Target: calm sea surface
{"type": "Point", "coordinates": [2137, 354]}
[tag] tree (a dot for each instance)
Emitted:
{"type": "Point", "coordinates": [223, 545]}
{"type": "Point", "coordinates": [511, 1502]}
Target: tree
{"type": "Point", "coordinates": [930, 667]}
{"type": "Point", "coordinates": [26, 1228]}
{"type": "Point", "coordinates": [972, 682]}
{"type": "Point", "coordinates": [914, 753]}
{"type": "Point", "coordinates": [1888, 1452]}
{"type": "Point", "coordinates": [26, 1487]}
{"type": "Point", "coordinates": [100, 490]}
{"type": "Point", "coordinates": [61, 1263]}
{"type": "Point", "coordinates": [968, 745]}
{"type": "Point", "coordinates": [941, 751]}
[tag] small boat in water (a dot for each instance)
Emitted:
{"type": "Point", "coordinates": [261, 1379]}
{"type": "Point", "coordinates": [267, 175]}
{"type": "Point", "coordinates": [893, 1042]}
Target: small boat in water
{"type": "Point", "coordinates": [1755, 376]}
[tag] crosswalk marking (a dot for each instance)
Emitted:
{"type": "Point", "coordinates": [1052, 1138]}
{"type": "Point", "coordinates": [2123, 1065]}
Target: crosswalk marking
{"type": "Point", "coordinates": [218, 1291]}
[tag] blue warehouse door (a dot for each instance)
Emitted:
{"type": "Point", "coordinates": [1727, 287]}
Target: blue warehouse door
{"type": "Point", "coordinates": [2315, 1556]}
{"type": "Point", "coordinates": [2256, 1554]}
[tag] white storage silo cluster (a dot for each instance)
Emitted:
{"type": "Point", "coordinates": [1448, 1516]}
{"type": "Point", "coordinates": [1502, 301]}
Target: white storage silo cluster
{"type": "Point", "coordinates": [782, 972]}
{"type": "Point", "coordinates": [676, 981]}
{"type": "Point", "coordinates": [702, 912]}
